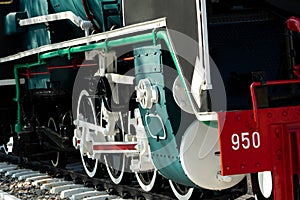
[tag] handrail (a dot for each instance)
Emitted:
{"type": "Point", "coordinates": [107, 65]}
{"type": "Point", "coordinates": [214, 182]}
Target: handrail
{"type": "Point", "coordinates": [268, 83]}
{"type": "Point", "coordinates": [6, 2]}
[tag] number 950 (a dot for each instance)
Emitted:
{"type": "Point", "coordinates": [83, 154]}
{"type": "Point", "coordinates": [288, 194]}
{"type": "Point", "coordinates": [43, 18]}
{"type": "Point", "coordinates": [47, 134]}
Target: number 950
{"type": "Point", "coordinates": [245, 140]}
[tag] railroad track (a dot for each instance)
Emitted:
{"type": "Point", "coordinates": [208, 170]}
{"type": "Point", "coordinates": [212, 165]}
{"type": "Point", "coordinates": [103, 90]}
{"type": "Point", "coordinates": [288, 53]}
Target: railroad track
{"type": "Point", "coordinates": [23, 179]}
{"type": "Point", "coordinates": [30, 184]}
{"type": "Point", "coordinates": [29, 178]}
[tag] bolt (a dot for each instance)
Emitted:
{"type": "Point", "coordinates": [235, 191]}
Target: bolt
{"type": "Point", "coordinates": [269, 115]}
{"type": "Point", "coordinates": [284, 113]}
{"type": "Point", "coordinates": [257, 165]}
{"type": "Point", "coordinates": [227, 168]}
{"type": "Point", "coordinates": [279, 154]}
{"type": "Point", "coordinates": [278, 130]}
{"type": "Point", "coordinates": [238, 117]}
{"type": "Point", "coordinates": [243, 166]}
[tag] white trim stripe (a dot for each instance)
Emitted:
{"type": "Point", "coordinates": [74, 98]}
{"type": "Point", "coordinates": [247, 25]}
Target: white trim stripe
{"type": "Point", "coordinates": [158, 23]}
{"type": "Point", "coordinates": [7, 82]}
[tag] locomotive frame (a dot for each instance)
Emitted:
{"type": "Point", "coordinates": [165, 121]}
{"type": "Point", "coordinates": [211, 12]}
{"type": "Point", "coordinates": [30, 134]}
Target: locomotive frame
{"type": "Point", "coordinates": [143, 127]}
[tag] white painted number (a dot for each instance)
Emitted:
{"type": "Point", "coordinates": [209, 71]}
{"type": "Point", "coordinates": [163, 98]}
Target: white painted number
{"type": "Point", "coordinates": [235, 141]}
{"type": "Point", "coordinates": [245, 140]}
{"type": "Point", "coordinates": [256, 140]}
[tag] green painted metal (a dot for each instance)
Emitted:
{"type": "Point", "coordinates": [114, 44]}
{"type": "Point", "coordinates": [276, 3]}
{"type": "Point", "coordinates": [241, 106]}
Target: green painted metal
{"type": "Point", "coordinates": [36, 35]}
{"type": "Point", "coordinates": [213, 124]}
{"type": "Point", "coordinates": [165, 153]}
{"type": "Point", "coordinates": [67, 52]}
{"type": "Point", "coordinates": [18, 126]}
{"type": "Point", "coordinates": [105, 12]}
{"type": "Point", "coordinates": [40, 81]}
{"type": "Point", "coordinates": [30, 37]}
{"type": "Point", "coordinates": [161, 135]}
{"type": "Point", "coordinates": [147, 37]}
{"type": "Point", "coordinates": [74, 6]}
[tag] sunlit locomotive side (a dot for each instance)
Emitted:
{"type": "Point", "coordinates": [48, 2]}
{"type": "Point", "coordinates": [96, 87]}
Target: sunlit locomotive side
{"type": "Point", "coordinates": [150, 87]}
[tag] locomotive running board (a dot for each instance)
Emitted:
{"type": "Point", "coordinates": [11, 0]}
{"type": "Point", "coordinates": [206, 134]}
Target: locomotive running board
{"type": "Point", "coordinates": [149, 25]}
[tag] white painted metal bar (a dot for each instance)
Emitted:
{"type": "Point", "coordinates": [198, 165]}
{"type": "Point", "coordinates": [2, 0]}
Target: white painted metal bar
{"type": "Point", "coordinates": [205, 52]}
{"type": "Point", "coordinates": [78, 21]}
{"type": "Point", "coordinates": [149, 25]}
{"type": "Point", "coordinates": [207, 116]}
{"type": "Point", "coordinates": [90, 126]}
{"type": "Point", "coordinates": [7, 82]}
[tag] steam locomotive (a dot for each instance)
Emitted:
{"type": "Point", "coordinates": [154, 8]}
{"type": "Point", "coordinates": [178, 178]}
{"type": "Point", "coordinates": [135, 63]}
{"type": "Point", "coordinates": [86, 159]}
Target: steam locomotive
{"type": "Point", "coordinates": [200, 92]}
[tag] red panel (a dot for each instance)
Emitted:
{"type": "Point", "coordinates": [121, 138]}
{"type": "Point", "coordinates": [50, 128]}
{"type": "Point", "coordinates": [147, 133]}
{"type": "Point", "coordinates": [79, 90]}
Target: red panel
{"type": "Point", "coordinates": [244, 148]}
{"type": "Point", "coordinates": [294, 130]}
{"type": "Point", "coordinates": [240, 150]}
{"type": "Point", "coordinates": [278, 133]}
{"type": "Point", "coordinates": [282, 167]}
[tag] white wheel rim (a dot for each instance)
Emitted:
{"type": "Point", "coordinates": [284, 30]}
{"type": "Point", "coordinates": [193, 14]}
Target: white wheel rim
{"type": "Point", "coordinates": [55, 163]}
{"type": "Point", "coordinates": [115, 179]}
{"type": "Point", "coordinates": [146, 187]}
{"type": "Point", "coordinates": [8, 147]}
{"type": "Point", "coordinates": [90, 173]}
{"type": "Point", "coordinates": [4, 149]}
{"type": "Point", "coordinates": [180, 196]}
{"type": "Point", "coordinates": [265, 183]}
{"type": "Point", "coordinates": [51, 121]}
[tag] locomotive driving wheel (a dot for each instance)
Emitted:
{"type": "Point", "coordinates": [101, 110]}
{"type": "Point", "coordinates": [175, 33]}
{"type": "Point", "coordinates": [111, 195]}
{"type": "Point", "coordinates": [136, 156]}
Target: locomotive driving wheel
{"type": "Point", "coordinates": [115, 162]}
{"type": "Point", "coordinates": [262, 185]}
{"type": "Point", "coordinates": [182, 192]}
{"type": "Point", "coordinates": [59, 158]}
{"type": "Point", "coordinates": [86, 112]}
{"type": "Point", "coordinates": [7, 140]}
{"type": "Point", "coordinates": [146, 180]}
